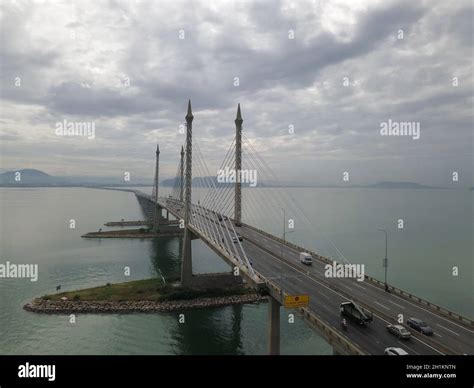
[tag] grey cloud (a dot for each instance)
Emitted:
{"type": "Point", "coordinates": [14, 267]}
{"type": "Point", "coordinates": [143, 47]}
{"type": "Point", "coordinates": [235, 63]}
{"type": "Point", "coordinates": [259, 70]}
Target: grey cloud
{"type": "Point", "coordinates": [282, 82]}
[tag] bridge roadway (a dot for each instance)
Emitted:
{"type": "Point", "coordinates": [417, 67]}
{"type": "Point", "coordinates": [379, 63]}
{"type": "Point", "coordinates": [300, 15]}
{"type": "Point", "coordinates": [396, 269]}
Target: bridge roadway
{"type": "Point", "coordinates": [279, 263]}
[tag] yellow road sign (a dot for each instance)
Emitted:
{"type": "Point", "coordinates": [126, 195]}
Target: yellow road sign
{"type": "Point", "coordinates": [292, 301]}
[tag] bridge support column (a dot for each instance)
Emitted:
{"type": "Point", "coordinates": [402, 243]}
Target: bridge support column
{"type": "Point", "coordinates": [273, 326]}
{"type": "Point", "coordinates": [187, 261]}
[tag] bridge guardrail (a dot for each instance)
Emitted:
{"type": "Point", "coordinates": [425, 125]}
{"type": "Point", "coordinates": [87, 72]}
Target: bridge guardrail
{"type": "Point", "coordinates": [332, 335]}
{"type": "Point", "coordinates": [396, 290]}
{"type": "Point", "coordinates": [370, 308]}
{"type": "Point", "coordinates": [432, 306]}
{"type": "Point", "coordinates": [405, 294]}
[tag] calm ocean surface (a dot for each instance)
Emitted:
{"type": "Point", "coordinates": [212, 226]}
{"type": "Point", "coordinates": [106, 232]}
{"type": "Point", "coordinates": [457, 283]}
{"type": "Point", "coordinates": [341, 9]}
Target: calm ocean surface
{"type": "Point", "coordinates": [34, 228]}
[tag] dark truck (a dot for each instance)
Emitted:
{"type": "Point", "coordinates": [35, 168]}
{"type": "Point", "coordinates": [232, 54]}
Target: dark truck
{"type": "Point", "coordinates": [355, 312]}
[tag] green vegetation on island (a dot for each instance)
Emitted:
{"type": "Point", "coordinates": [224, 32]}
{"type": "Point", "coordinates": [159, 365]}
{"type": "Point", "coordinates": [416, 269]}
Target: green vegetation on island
{"type": "Point", "coordinates": [144, 290]}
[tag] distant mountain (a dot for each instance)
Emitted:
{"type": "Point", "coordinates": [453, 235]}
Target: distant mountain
{"type": "Point", "coordinates": [37, 178]}
{"type": "Point", "coordinates": [28, 177]}
{"type": "Point", "coordinates": [32, 177]}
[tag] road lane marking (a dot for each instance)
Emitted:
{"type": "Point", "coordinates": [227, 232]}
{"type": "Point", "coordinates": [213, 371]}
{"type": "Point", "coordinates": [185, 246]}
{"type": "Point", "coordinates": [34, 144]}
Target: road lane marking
{"type": "Point", "coordinates": [422, 308]}
{"type": "Point", "coordinates": [358, 285]}
{"type": "Point", "coordinates": [396, 304]}
{"type": "Point", "coordinates": [348, 287]}
{"type": "Point", "coordinates": [445, 328]}
{"type": "Point", "coordinates": [440, 336]}
{"type": "Point", "coordinates": [381, 305]}
{"type": "Point", "coordinates": [406, 301]}
{"type": "Point", "coordinates": [337, 293]}
{"type": "Point", "coordinates": [405, 345]}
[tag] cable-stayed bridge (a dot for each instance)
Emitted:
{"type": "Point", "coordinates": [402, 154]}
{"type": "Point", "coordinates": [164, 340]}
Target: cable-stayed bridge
{"type": "Point", "coordinates": [272, 264]}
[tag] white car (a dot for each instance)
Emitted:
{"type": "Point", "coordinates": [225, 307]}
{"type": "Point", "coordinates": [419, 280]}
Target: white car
{"type": "Point", "coordinates": [395, 352]}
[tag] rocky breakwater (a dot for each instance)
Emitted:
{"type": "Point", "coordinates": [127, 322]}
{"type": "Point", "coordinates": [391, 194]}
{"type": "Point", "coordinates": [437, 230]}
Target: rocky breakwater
{"type": "Point", "coordinates": [123, 307]}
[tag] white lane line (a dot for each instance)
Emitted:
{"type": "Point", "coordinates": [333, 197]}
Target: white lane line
{"type": "Point", "coordinates": [411, 350]}
{"type": "Point", "coordinates": [348, 287]}
{"type": "Point", "coordinates": [342, 296]}
{"type": "Point", "coordinates": [398, 305]}
{"type": "Point", "coordinates": [320, 293]}
{"type": "Point", "coordinates": [420, 307]}
{"type": "Point", "coordinates": [440, 336]}
{"type": "Point", "coordinates": [413, 304]}
{"type": "Point", "coordinates": [381, 305]}
{"type": "Point", "coordinates": [445, 328]}
{"type": "Point", "coordinates": [358, 285]}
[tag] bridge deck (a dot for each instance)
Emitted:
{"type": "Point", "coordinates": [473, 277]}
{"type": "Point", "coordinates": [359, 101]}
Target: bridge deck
{"type": "Point", "coordinates": [279, 263]}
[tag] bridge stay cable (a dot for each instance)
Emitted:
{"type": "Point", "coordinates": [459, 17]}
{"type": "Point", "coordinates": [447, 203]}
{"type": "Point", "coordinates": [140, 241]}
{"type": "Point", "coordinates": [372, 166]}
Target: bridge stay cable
{"type": "Point", "coordinates": [221, 240]}
{"type": "Point", "coordinates": [229, 227]}
{"type": "Point", "coordinates": [205, 173]}
{"type": "Point", "coordinates": [282, 193]}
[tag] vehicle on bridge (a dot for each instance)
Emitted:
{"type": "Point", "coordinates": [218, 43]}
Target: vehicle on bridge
{"type": "Point", "coordinates": [395, 352]}
{"type": "Point", "coordinates": [399, 331]}
{"type": "Point", "coordinates": [356, 313]}
{"type": "Point", "coordinates": [419, 325]}
{"type": "Point", "coordinates": [306, 258]}
{"type": "Point", "coordinates": [237, 238]}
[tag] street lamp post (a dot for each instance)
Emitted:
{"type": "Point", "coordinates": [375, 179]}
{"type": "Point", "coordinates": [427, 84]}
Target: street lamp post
{"type": "Point", "coordinates": [385, 261]}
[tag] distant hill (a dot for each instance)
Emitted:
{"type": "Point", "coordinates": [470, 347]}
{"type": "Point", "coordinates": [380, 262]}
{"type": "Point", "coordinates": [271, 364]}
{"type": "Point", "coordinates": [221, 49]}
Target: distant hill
{"type": "Point", "coordinates": [38, 178]}
{"type": "Point", "coordinates": [33, 177]}
{"type": "Point", "coordinates": [28, 177]}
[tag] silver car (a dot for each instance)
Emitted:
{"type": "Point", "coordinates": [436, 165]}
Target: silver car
{"type": "Point", "coordinates": [399, 331]}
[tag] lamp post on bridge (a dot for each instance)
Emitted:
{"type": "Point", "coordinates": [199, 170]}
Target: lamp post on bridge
{"type": "Point", "coordinates": [385, 261]}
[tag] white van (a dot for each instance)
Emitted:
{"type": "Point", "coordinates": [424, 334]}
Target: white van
{"type": "Point", "coordinates": [306, 258]}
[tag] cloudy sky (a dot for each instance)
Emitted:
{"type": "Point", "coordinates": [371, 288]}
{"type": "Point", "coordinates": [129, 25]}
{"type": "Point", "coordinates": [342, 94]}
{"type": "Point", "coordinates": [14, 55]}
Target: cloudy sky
{"type": "Point", "coordinates": [334, 70]}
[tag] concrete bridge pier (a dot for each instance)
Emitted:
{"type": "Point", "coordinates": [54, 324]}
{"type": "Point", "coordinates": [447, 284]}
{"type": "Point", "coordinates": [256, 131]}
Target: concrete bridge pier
{"type": "Point", "coordinates": [273, 326]}
{"type": "Point", "coordinates": [187, 261]}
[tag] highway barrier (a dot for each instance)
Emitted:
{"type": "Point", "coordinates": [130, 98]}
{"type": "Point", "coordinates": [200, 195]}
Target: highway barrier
{"type": "Point", "coordinates": [406, 295]}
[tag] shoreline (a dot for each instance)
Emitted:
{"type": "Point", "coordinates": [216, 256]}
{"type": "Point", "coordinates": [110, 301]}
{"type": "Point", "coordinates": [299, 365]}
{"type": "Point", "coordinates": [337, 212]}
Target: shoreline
{"type": "Point", "coordinates": [134, 306]}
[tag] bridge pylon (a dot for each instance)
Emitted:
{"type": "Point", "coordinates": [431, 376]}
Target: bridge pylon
{"type": "Point", "coordinates": [238, 168]}
{"type": "Point", "coordinates": [158, 210]}
{"type": "Point", "coordinates": [181, 175]}
{"type": "Point", "coordinates": [186, 259]}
